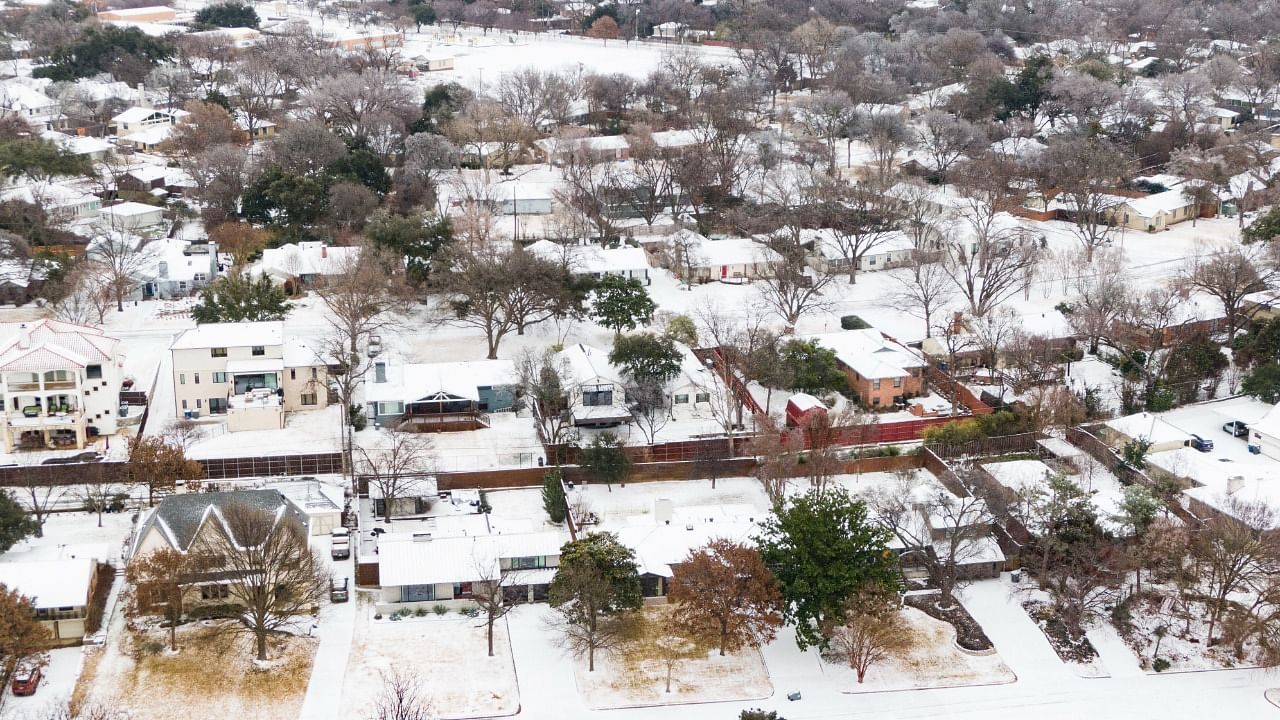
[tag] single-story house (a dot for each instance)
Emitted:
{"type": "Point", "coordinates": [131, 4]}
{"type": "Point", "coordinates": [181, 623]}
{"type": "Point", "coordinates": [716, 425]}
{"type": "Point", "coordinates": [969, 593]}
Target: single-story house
{"type": "Point", "coordinates": [440, 397]}
{"type": "Point", "coordinates": [890, 250]}
{"type": "Point", "coordinates": [132, 216]}
{"type": "Point", "coordinates": [880, 370]}
{"type": "Point", "coordinates": [1162, 436]}
{"type": "Point", "coordinates": [1155, 212]}
{"type": "Point", "coordinates": [66, 202]}
{"type": "Point", "coordinates": [597, 149]}
{"type": "Point", "coordinates": [91, 147]}
{"type": "Point", "coordinates": [297, 265]}
{"type": "Point", "coordinates": [695, 258]}
{"type": "Point", "coordinates": [596, 393]}
{"type": "Point", "coordinates": [594, 261]}
{"type": "Point", "coordinates": [421, 569]}
{"type": "Point", "coordinates": [517, 198]}
{"type": "Point", "coordinates": [60, 590]}
{"type": "Point", "coordinates": [150, 14]}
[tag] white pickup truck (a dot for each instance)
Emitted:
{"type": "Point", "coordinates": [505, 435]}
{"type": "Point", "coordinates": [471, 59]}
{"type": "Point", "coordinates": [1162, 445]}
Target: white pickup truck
{"type": "Point", "coordinates": [341, 544]}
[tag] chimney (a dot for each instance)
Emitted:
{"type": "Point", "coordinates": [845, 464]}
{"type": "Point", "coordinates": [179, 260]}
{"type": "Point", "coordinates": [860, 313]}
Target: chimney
{"type": "Point", "coordinates": [142, 95]}
{"type": "Point", "coordinates": [324, 251]}
{"type": "Point", "coordinates": [24, 336]}
{"type": "Point", "coordinates": [1234, 484]}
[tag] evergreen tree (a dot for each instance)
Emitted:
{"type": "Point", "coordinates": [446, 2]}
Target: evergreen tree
{"type": "Point", "coordinates": [596, 583]}
{"type": "Point", "coordinates": [412, 237]}
{"type": "Point", "coordinates": [813, 368]}
{"type": "Point", "coordinates": [226, 15]}
{"type": "Point", "coordinates": [16, 524]}
{"type": "Point", "coordinates": [553, 500]}
{"type": "Point", "coordinates": [621, 303]}
{"type": "Point", "coordinates": [646, 357]}
{"type": "Point", "coordinates": [605, 459]}
{"type": "Point", "coordinates": [239, 298]}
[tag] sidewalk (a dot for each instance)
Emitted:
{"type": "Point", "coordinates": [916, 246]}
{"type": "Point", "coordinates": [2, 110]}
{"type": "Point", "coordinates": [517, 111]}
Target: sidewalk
{"type": "Point", "coordinates": [337, 625]}
{"type": "Point", "coordinates": [1016, 636]}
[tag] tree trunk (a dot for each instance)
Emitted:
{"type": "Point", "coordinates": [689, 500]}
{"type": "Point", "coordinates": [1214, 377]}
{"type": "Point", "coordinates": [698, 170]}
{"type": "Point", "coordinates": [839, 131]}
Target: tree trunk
{"type": "Point", "coordinates": [591, 658]}
{"type": "Point", "coordinates": [262, 644]}
{"type": "Point", "coordinates": [173, 632]}
{"type": "Point", "coordinates": [491, 621]}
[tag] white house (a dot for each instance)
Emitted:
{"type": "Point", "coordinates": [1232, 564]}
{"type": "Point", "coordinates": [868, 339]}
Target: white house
{"type": "Point", "coordinates": [60, 384]}
{"type": "Point", "coordinates": [695, 258]}
{"type": "Point", "coordinates": [595, 261]}
{"type": "Point", "coordinates": [18, 98]}
{"type": "Point", "coordinates": [890, 250]}
{"type": "Point", "coordinates": [304, 263]}
{"type": "Point", "coordinates": [174, 268]}
{"type": "Point", "coordinates": [132, 216]}
{"type": "Point", "coordinates": [59, 590]}
{"type": "Point", "coordinates": [137, 119]}
{"type": "Point", "coordinates": [423, 568]}
{"type": "Point", "coordinates": [1155, 212]}
{"type": "Point", "coordinates": [91, 147]}
{"type": "Point", "coordinates": [65, 202]}
{"type": "Point", "coordinates": [429, 397]}
{"type": "Point", "coordinates": [597, 395]}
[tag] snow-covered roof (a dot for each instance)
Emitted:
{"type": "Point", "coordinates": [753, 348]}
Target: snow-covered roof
{"type": "Point", "coordinates": [459, 379]}
{"type": "Point", "coordinates": [597, 143]}
{"type": "Point", "coordinates": [50, 584]}
{"type": "Point", "coordinates": [1019, 147]}
{"type": "Point", "coordinates": [305, 258]}
{"type": "Point", "coordinates": [1269, 425]}
{"type": "Point", "coordinates": [824, 241]}
{"type": "Point", "coordinates": [587, 364]}
{"type": "Point", "coordinates": [42, 345]}
{"type": "Point", "coordinates": [138, 114]}
{"type": "Point", "coordinates": [870, 353]}
{"type": "Point", "coordinates": [592, 258]}
{"type": "Point", "coordinates": [16, 96]}
{"type": "Point", "coordinates": [429, 560]}
{"type": "Point", "coordinates": [1149, 426]}
{"type": "Point", "coordinates": [179, 517]}
{"type": "Point", "coordinates": [47, 194]}
{"type": "Point", "coordinates": [658, 547]}
{"type": "Point", "coordinates": [77, 144]}
{"type": "Point", "coordinates": [1162, 202]}
{"type": "Point", "coordinates": [805, 401]}
{"type": "Point", "coordinates": [731, 251]}
{"type": "Point", "coordinates": [240, 334]}
{"type": "Point", "coordinates": [131, 209]}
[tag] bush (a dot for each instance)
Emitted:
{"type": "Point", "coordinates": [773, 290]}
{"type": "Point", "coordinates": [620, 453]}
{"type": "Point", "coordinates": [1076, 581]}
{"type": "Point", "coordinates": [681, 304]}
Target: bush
{"type": "Point", "coordinates": [1160, 665]}
{"type": "Point", "coordinates": [152, 647]}
{"type": "Point", "coordinates": [853, 322]}
{"type": "Point", "coordinates": [356, 418]}
{"type": "Point", "coordinates": [758, 714]}
{"type": "Point", "coordinates": [217, 611]}
{"type": "Point", "coordinates": [420, 612]}
{"type": "Point", "coordinates": [470, 611]}
{"type": "Point", "coordinates": [438, 610]}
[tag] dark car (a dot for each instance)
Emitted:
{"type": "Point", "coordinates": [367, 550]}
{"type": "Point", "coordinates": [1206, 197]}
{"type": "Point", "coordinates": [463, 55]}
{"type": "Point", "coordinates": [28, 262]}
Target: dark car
{"type": "Point", "coordinates": [25, 681]}
{"type": "Point", "coordinates": [338, 591]}
{"type": "Point", "coordinates": [1201, 444]}
{"type": "Point", "coordinates": [1235, 428]}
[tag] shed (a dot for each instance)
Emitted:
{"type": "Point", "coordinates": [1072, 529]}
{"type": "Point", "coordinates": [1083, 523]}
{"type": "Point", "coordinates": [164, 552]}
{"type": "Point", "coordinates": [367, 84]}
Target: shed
{"type": "Point", "coordinates": [802, 408]}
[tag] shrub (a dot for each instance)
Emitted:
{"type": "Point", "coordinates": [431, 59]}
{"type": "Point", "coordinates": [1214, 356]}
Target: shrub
{"type": "Point", "coordinates": [216, 611]}
{"type": "Point", "coordinates": [419, 612]}
{"type": "Point", "coordinates": [1160, 665]}
{"type": "Point", "coordinates": [152, 647]}
{"type": "Point", "coordinates": [438, 610]}
{"type": "Point", "coordinates": [470, 611]}
{"type": "Point", "coordinates": [853, 322]}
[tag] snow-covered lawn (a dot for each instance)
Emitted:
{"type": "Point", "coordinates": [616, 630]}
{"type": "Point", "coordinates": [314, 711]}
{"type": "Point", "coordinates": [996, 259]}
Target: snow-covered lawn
{"type": "Point", "coordinates": [57, 681]}
{"type": "Point", "coordinates": [931, 661]}
{"type": "Point", "coordinates": [212, 674]}
{"type": "Point", "coordinates": [448, 655]}
{"type": "Point", "coordinates": [1184, 630]}
{"type": "Point", "coordinates": [634, 674]}
{"type": "Point", "coordinates": [314, 431]}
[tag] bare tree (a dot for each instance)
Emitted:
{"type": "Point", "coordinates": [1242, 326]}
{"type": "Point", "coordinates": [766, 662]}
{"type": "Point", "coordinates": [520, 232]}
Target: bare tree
{"type": "Point", "coordinates": [926, 289]}
{"type": "Point", "coordinates": [121, 261]}
{"type": "Point", "coordinates": [402, 698]}
{"type": "Point", "coordinates": [275, 577]}
{"type": "Point", "coordinates": [364, 295]}
{"type": "Point", "coordinates": [787, 287]}
{"type": "Point", "coordinates": [1085, 171]}
{"type": "Point", "coordinates": [990, 270]}
{"type": "Point", "coordinates": [40, 499]}
{"type": "Point", "coordinates": [396, 464]}
{"type": "Point", "coordinates": [487, 591]}
{"type": "Point", "coordinates": [161, 578]}
{"type": "Point", "coordinates": [945, 139]}
{"type": "Point", "coordinates": [1238, 555]}
{"type": "Point", "coordinates": [544, 382]}
{"type": "Point", "coordinates": [856, 226]}
{"type": "Point", "coordinates": [1229, 272]}
{"type": "Point", "coordinates": [348, 101]}
{"type": "Point", "coordinates": [873, 631]}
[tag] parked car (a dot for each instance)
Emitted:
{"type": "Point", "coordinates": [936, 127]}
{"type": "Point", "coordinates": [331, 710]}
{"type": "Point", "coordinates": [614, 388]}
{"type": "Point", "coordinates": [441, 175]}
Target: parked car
{"type": "Point", "coordinates": [338, 591]}
{"type": "Point", "coordinates": [341, 548]}
{"type": "Point", "coordinates": [1235, 428]}
{"type": "Point", "coordinates": [1201, 444]}
{"type": "Point", "coordinates": [375, 345]}
{"type": "Point", "coordinates": [25, 681]}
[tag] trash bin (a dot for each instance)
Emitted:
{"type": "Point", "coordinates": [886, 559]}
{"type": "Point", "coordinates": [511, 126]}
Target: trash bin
{"type": "Point", "coordinates": [793, 696]}
{"type": "Point", "coordinates": [1016, 576]}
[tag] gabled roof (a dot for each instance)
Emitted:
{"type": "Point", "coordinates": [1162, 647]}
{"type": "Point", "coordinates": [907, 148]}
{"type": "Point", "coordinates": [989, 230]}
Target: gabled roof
{"type": "Point", "coordinates": [180, 517]}
{"type": "Point", "coordinates": [588, 364]}
{"type": "Point", "coordinates": [870, 353]}
{"type": "Point", "coordinates": [422, 381]}
{"type": "Point", "coordinates": [239, 334]}
{"type": "Point", "coordinates": [53, 345]}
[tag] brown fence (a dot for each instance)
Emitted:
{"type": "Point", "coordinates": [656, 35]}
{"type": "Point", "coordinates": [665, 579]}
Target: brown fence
{"type": "Point", "coordinates": [267, 466]}
{"type": "Point", "coordinates": [951, 387]}
{"type": "Point", "coordinates": [70, 474]}
{"type": "Point", "coordinates": [1096, 448]}
{"type": "Point", "coordinates": [990, 446]}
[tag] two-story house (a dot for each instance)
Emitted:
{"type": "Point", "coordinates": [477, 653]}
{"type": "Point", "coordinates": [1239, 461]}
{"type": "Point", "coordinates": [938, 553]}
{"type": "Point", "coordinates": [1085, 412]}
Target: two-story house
{"type": "Point", "coordinates": [880, 370]}
{"type": "Point", "coordinates": [596, 394]}
{"type": "Point", "coordinates": [440, 397]}
{"type": "Point", "coordinates": [60, 384]}
{"type": "Point", "coordinates": [249, 371]}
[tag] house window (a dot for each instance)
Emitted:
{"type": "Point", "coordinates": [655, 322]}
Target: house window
{"type": "Point", "coordinates": [293, 374]}
{"type": "Point", "coordinates": [532, 562]}
{"type": "Point", "coordinates": [196, 377]}
{"type": "Point", "coordinates": [199, 403]}
{"type": "Point", "coordinates": [184, 404]}
{"type": "Point", "coordinates": [379, 372]}
{"type": "Point", "coordinates": [391, 408]}
{"type": "Point", "coordinates": [217, 405]}
{"type": "Point", "coordinates": [217, 352]}
{"type": "Point", "coordinates": [681, 399]}
{"type": "Point", "coordinates": [462, 589]}
{"type": "Point", "coordinates": [257, 351]}
{"type": "Point", "coordinates": [313, 373]}
{"type": "Point", "coordinates": [418, 593]}
{"type": "Point", "coordinates": [182, 379]}
{"type": "Point", "coordinates": [897, 382]}
{"type": "Point", "coordinates": [214, 592]}
{"type": "Point", "coordinates": [702, 397]}
{"type": "Point", "coordinates": [219, 377]}
{"type": "Point", "coordinates": [875, 401]}
{"type": "Point", "coordinates": [308, 398]}
{"type": "Point", "coordinates": [597, 396]}
{"type": "Point", "coordinates": [875, 384]}
{"type": "Point", "coordinates": [93, 372]}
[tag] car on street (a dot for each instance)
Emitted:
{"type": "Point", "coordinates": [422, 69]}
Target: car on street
{"type": "Point", "coordinates": [25, 681]}
{"type": "Point", "coordinates": [1201, 444]}
{"type": "Point", "coordinates": [1235, 428]}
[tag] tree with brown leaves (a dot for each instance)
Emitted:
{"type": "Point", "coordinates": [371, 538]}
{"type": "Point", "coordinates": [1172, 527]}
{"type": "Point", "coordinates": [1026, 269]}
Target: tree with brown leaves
{"type": "Point", "coordinates": [22, 639]}
{"type": "Point", "coordinates": [725, 595]}
{"type": "Point", "coordinates": [872, 632]}
{"type": "Point", "coordinates": [162, 578]}
{"type": "Point", "coordinates": [159, 465]}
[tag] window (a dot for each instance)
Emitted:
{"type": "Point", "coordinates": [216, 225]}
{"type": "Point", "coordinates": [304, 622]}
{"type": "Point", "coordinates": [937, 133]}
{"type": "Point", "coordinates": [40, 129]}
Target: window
{"type": "Point", "coordinates": [308, 398]}
{"type": "Point", "coordinates": [93, 372]}
{"type": "Point", "coordinates": [875, 401]}
{"type": "Point", "coordinates": [532, 562]}
{"type": "Point", "coordinates": [897, 382]}
{"type": "Point", "coordinates": [217, 352]}
{"type": "Point", "coordinates": [702, 397]}
{"type": "Point", "coordinates": [418, 593]}
{"type": "Point", "coordinates": [199, 403]}
{"type": "Point", "coordinates": [217, 405]}
{"type": "Point", "coordinates": [597, 395]}
{"type": "Point", "coordinates": [313, 373]}
{"type": "Point", "coordinates": [219, 377]}
{"type": "Point", "coordinates": [182, 379]}
{"type": "Point", "coordinates": [196, 377]}
{"type": "Point", "coordinates": [184, 404]}
{"type": "Point", "coordinates": [462, 589]}
{"type": "Point", "coordinates": [214, 592]}
{"type": "Point", "coordinates": [875, 384]}
{"type": "Point", "coordinates": [379, 372]}
{"type": "Point", "coordinates": [293, 374]}
{"type": "Point", "coordinates": [391, 408]}
{"type": "Point", "coordinates": [681, 399]}
{"type": "Point", "coordinates": [257, 351]}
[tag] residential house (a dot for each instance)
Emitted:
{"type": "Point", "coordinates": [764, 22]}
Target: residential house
{"type": "Point", "coordinates": [249, 371]}
{"type": "Point", "coordinates": [350, 40]}
{"type": "Point", "coordinates": [139, 119]}
{"type": "Point", "coordinates": [1117, 432]}
{"type": "Point", "coordinates": [594, 261]}
{"type": "Point", "coordinates": [880, 370]}
{"type": "Point", "coordinates": [262, 128]}
{"type": "Point", "coordinates": [698, 392]}
{"type": "Point", "coordinates": [1265, 434]}
{"type": "Point", "coordinates": [19, 98]}
{"type": "Point", "coordinates": [61, 592]}
{"type": "Point", "coordinates": [440, 397]}
{"type": "Point", "coordinates": [95, 149]}
{"type": "Point", "coordinates": [175, 268]}
{"type": "Point", "coordinates": [423, 568]}
{"type": "Point", "coordinates": [893, 249]}
{"type": "Point", "coordinates": [299, 265]}
{"type": "Point", "coordinates": [596, 149]}
{"type": "Point", "coordinates": [517, 198]}
{"type": "Point", "coordinates": [695, 258]}
{"type": "Point", "coordinates": [132, 216]}
{"type": "Point", "coordinates": [65, 202]}
{"type": "Point", "coordinates": [596, 393]}
{"type": "Point", "coordinates": [60, 384]}
{"type": "Point", "coordinates": [1155, 212]}
{"type": "Point", "coordinates": [151, 14]}
{"type": "Point", "coordinates": [676, 531]}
